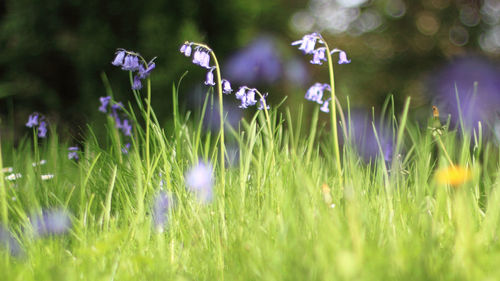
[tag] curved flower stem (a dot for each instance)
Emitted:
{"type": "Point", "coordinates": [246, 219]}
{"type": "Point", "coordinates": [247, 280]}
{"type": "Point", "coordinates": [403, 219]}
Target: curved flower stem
{"type": "Point", "coordinates": [333, 112]}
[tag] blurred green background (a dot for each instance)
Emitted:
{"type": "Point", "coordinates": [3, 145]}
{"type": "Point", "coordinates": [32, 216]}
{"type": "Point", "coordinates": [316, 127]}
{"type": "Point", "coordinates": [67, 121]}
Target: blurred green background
{"type": "Point", "coordinates": [53, 52]}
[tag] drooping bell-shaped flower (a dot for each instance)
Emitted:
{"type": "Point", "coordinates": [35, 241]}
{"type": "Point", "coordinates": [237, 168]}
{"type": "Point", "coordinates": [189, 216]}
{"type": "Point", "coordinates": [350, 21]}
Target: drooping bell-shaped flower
{"type": "Point", "coordinates": [205, 60]}
{"type": "Point", "coordinates": [226, 87]}
{"type": "Point", "coordinates": [104, 103]}
{"type": "Point", "coordinates": [315, 92]}
{"type": "Point", "coordinates": [263, 103]}
{"type": "Point", "coordinates": [118, 61]}
{"type": "Point", "coordinates": [32, 120]}
{"type": "Point", "coordinates": [342, 56]}
{"type": "Point", "coordinates": [186, 49]}
{"type": "Point", "coordinates": [42, 129]}
{"type": "Point", "coordinates": [137, 85]}
{"type": "Point", "coordinates": [307, 43]}
{"type": "Point", "coordinates": [240, 93]}
{"type": "Point", "coordinates": [325, 105]}
{"type": "Point", "coordinates": [143, 73]}
{"type": "Point", "coordinates": [126, 128]}
{"type": "Point", "coordinates": [210, 78]}
{"type": "Point", "coordinates": [131, 63]}
{"type": "Point", "coordinates": [319, 56]}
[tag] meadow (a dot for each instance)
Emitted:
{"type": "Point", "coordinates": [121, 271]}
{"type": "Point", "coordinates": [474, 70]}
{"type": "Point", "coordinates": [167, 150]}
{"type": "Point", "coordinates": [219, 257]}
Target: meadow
{"type": "Point", "coordinates": [282, 196]}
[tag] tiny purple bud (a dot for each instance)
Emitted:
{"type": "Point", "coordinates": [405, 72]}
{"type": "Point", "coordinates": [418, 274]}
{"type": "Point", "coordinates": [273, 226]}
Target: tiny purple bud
{"type": "Point", "coordinates": [210, 78]}
{"type": "Point", "coordinates": [32, 120]}
{"type": "Point", "coordinates": [226, 87]}
{"type": "Point", "coordinates": [199, 180]}
{"type": "Point", "coordinates": [118, 61]}
{"type": "Point", "coordinates": [325, 107]}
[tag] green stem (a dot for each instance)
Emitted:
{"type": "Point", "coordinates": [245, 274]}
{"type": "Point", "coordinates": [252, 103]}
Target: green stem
{"type": "Point", "coordinates": [441, 144]}
{"type": "Point", "coordinates": [333, 113]}
{"type": "Point", "coordinates": [148, 118]}
{"type": "Point", "coordinates": [3, 193]}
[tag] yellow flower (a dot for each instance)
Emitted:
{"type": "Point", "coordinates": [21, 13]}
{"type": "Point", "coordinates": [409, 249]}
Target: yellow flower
{"type": "Point", "coordinates": [453, 175]}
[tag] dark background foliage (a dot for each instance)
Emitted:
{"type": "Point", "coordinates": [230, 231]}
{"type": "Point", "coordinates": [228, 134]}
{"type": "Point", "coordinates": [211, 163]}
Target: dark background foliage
{"type": "Point", "coordinates": [54, 53]}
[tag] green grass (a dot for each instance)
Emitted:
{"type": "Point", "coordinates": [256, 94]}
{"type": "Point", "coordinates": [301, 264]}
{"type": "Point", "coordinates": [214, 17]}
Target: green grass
{"type": "Point", "coordinates": [390, 221]}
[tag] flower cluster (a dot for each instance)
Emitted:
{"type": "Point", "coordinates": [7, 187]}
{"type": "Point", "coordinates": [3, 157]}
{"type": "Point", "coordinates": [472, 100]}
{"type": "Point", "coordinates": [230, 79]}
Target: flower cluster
{"type": "Point", "coordinates": [38, 120]}
{"type": "Point", "coordinates": [115, 110]}
{"type": "Point", "coordinates": [308, 46]}
{"type": "Point", "coordinates": [133, 62]}
{"type": "Point", "coordinates": [201, 57]}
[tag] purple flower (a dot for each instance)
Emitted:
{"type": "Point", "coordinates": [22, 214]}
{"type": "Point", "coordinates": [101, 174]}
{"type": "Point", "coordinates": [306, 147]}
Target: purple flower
{"type": "Point", "coordinates": [73, 152]}
{"type": "Point", "coordinates": [325, 105]}
{"type": "Point", "coordinates": [7, 241]}
{"type": "Point", "coordinates": [199, 180]}
{"type": "Point", "coordinates": [210, 78]}
{"type": "Point", "coordinates": [42, 129]}
{"type": "Point", "coordinates": [262, 102]}
{"type": "Point", "coordinates": [126, 148]}
{"type": "Point", "coordinates": [319, 56]}
{"type": "Point", "coordinates": [342, 56]}
{"type": "Point", "coordinates": [247, 99]}
{"type": "Point", "coordinates": [32, 120]}
{"type": "Point", "coordinates": [315, 92]}
{"type": "Point", "coordinates": [120, 55]}
{"type": "Point", "coordinates": [186, 49]}
{"type": "Point", "coordinates": [476, 81]}
{"type": "Point", "coordinates": [226, 87]}
{"type": "Point", "coordinates": [260, 62]}
{"type": "Point", "coordinates": [126, 128]}
{"type": "Point", "coordinates": [205, 60]}
{"type": "Point", "coordinates": [137, 85]}
{"type": "Point", "coordinates": [162, 207]}
{"type": "Point", "coordinates": [307, 43]}
{"type": "Point", "coordinates": [51, 222]}
{"type": "Point", "coordinates": [197, 56]}
{"type": "Point", "coordinates": [131, 63]}
{"type": "Point", "coordinates": [143, 73]}
{"type": "Point", "coordinates": [240, 93]}
{"type": "Point", "coordinates": [104, 103]}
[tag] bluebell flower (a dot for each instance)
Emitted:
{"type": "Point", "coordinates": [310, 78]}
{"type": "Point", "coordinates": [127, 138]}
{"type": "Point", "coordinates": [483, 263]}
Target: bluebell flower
{"type": "Point", "coordinates": [144, 72]}
{"type": "Point", "coordinates": [120, 55]}
{"type": "Point", "coordinates": [7, 241]}
{"type": "Point", "coordinates": [315, 92]}
{"type": "Point", "coordinates": [114, 113]}
{"type": "Point", "coordinates": [319, 56]}
{"type": "Point", "coordinates": [32, 120]}
{"type": "Point", "coordinates": [42, 129]}
{"type": "Point", "coordinates": [240, 93]}
{"type": "Point", "coordinates": [262, 101]}
{"type": "Point", "coordinates": [126, 148]}
{"type": "Point", "coordinates": [325, 107]}
{"type": "Point", "coordinates": [226, 87]}
{"type": "Point", "coordinates": [197, 56]}
{"type": "Point", "coordinates": [126, 128]}
{"type": "Point", "coordinates": [73, 152]}
{"type": "Point", "coordinates": [137, 84]}
{"type": "Point", "coordinates": [307, 43]}
{"type": "Point", "coordinates": [162, 206]}
{"type": "Point", "coordinates": [104, 103]}
{"type": "Point", "coordinates": [199, 180]}
{"type": "Point", "coordinates": [51, 222]}
{"type": "Point", "coordinates": [342, 56]}
{"type": "Point", "coordinates": [247, 98]}
{"type": "Point", "coordinates": [210, 77]}
{"type": "Point", "coordinates": [186, 49]}
{"type": "Point", "coordinates": [131, 63]}
{"type": "Point", "coordinates": [205, 60]}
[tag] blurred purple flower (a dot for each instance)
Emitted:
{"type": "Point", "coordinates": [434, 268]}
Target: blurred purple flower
{"type": "Point", "coordinates": [363, 137]}
{"type": "Point", "coordinates": [104, 103]}
{"type": "Point", "coordinates": [257, 63]}
{"type": "Point", "coordinates": [126, 148]}
{"type": "Point", "coordinates": [126, 128]}
{"type": "Point", "coordinates": [315, 92]}
{"type": "Point", "coordinates": [210, 77]}
{"type": "Point", "coordinates": [143, 73]}
{"type": "Point", "coordinates": [8, 241]}
{"type": "Point", "coordinates": [296, 72]}
{"type": "Point", "coordinates": [163, 204]}
{"type": "Point", "coordinates": [51, 222]}
{"type": "Point", "coordinates": [326, 106]}
{"type": "Point", "coordinates": [32, 120]}
{"type": "Point", "coordinates": [199, 180]}
{"type": "Point", "coordinates": [42, 129]}
{"type": "Point", "coordinates": [458, 77]}
{"type": "Point", "coordinates": [137, 84]}
{"type": "Point", "coordinates": [307, 43]}
{"type": "Point", "coordinates": [73, 153]}
{"type": "Point", "coordinates": [131, 63]}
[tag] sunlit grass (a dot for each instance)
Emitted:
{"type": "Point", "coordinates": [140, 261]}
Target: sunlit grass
{"type": "Point", "coordinates": [283, 217]}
